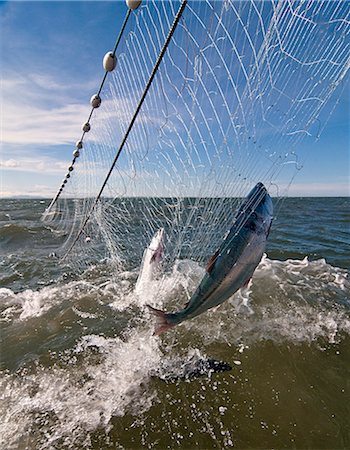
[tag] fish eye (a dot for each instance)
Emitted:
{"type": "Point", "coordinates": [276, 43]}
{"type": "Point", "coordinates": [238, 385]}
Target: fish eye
{"type": "Point", "coordinates": [252, 226]}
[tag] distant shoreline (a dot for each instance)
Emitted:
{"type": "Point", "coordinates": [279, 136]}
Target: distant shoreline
{"type": "Point", "coordinates": [24, 197]}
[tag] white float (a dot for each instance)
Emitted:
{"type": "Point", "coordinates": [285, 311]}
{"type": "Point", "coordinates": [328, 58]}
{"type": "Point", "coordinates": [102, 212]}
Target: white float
{"type": "Point", "coordinates": [86, 127]}
{"type": "Point", "coordinates": [133, 4]}
{"type": "Point", "coordinates": [109, 61]}
{"type": "Point", "coordinates": [95, 101]}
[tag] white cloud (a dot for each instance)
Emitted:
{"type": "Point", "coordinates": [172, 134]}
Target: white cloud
{"type": "Point", "coordinates": [37, 165]}
{"type": "Point", "coordinates": [38, 110]}
{"type": "Point", "coordinates": [23, 124]}
{"type": "Point", "coordinates": [48, 82]}
{"type": "Point", "coordinates": [9, 164]}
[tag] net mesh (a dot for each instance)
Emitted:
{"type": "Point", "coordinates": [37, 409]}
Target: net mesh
{"type": "Point", "coordinates": [242, 86]}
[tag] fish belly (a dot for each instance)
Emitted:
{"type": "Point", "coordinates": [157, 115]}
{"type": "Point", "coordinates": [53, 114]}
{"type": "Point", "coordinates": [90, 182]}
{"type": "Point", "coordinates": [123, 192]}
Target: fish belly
{"type": "Point", "coordinates": [212, 292]}
{"type": "Point", "coordinates": [235, 279]}
{"type": "Point", "coordinates": [148, 270]}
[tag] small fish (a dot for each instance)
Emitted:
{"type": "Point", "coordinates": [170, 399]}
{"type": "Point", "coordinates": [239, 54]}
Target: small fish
{"type": "Point", "coordinates": [233, 264]}
{"type": "Point", "coordinates": [152, 258]}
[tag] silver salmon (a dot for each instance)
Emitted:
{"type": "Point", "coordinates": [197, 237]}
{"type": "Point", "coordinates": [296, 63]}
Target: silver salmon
{"type": "Point", "coordinates": [233, 264]}
{"type": "Point", "coordinates": [151, 261]}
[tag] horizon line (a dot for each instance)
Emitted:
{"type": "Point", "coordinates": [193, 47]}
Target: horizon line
{"type": "Point", "coordinates": [29, 197]}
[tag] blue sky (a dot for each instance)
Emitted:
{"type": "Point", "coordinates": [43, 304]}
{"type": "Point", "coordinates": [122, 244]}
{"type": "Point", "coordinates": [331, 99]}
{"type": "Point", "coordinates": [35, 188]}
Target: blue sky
{"type": "Point", "coordinates": [51, 64]}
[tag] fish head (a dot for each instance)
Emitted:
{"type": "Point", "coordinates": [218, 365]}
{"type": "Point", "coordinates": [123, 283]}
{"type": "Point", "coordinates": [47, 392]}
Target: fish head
{"type": "Point", "coordinates": [157, 246]}
{"type": "Point", "coordinates": [158, 239]}
{"type": "Point", "coordinates": [257, 210]}
{"type": "Point", "coordinates": [161, 232]}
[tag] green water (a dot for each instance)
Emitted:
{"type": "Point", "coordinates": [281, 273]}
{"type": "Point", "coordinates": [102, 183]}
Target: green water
{"type": "Point", "coordinates": [82, 370]}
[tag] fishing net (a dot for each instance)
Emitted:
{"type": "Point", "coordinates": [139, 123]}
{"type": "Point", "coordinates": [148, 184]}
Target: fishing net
{"type": "Point", "coordinates": [241, 88]}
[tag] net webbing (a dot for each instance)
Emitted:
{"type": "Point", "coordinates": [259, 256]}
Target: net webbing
{"type": "Point", "coordinates": [241, 89]}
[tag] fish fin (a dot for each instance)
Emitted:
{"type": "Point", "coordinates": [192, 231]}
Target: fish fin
{"type": "Point", "coordinates": [246, 284]}
{"type": "Point", "coordinates": [186, 304]}
{"type": "Point", "coordinates": [268, 231]}
{"type": "Point", "coordinates": [163, 323]}
{"type": "Point", "coordinates": [212, 261]}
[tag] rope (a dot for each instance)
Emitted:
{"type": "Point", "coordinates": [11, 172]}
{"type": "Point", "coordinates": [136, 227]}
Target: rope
{"type": "Point", "coordinates": [98, 93]}
{"type": "Point", "coordinates": [148, 85]}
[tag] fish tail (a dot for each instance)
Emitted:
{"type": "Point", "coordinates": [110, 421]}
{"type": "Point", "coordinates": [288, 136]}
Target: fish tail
{"type": "Point", "coordinates": [163, 320]}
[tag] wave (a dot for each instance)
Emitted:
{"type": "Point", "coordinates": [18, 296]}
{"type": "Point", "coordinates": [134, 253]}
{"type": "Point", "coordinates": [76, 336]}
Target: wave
{"type": "Point", "coordinates": [30, 235]}
{"type": "Point", "coordinates": [300, 291]}
{"type": "Point", "coordinates": [16, 236]}
{"type": "Point", "coordinates": [13, 230]}
{"type": "Point", "coordinates": [68, 402]}
{"type": "Point", "coordinates": [86, 354]}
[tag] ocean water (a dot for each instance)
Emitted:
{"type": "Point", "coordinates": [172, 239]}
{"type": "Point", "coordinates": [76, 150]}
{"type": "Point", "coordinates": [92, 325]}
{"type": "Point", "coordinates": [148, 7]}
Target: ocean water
{"type": "Point", "coordinates": [81, 369]}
